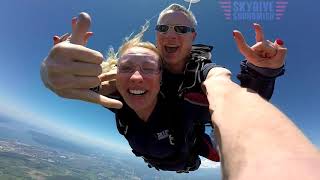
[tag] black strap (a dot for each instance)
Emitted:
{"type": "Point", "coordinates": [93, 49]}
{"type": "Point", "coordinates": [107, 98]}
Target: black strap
{"type": "Point", "coordinates": [199, 56]}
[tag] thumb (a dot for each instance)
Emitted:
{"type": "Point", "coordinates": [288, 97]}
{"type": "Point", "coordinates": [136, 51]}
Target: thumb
{"type": "Point", "coordinates": [91, 96]}
{"type": "Point", "coordinates": [80, 27]}
{"type": "Point", "coordinates": [242, 45]}
{"type": "Point", "coordinates": [109, 102]}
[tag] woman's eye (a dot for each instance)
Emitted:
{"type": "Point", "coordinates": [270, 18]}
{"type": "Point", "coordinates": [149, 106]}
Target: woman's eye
{"type": "Point", "coordinates": [125, 68]}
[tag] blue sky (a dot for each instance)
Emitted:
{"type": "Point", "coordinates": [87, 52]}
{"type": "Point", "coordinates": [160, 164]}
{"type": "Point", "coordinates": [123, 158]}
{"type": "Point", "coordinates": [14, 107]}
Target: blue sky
{"type": "Point", "coordinates": [27, 28]}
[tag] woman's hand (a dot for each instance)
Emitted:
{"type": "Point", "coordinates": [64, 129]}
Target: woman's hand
{"type": "Point", "coordinates": [264, 53]}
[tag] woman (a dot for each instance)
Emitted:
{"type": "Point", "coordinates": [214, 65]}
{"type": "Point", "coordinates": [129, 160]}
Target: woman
{"type": "Point", "coordinates": [155, 128]}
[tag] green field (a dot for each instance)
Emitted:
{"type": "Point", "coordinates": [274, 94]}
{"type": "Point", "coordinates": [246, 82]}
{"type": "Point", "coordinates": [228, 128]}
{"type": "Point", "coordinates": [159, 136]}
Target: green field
{"type": "Point", "coordinates": [14, 166]}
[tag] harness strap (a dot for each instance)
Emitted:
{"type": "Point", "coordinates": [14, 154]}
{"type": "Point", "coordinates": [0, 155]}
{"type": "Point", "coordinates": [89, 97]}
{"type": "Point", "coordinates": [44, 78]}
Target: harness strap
{"type": "Point", "coordinates": [199, 56]}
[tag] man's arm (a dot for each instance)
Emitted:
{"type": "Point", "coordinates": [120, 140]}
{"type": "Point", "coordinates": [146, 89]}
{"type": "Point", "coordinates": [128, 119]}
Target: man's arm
{"type": "Point", "coordinates": [256, 140]}
{"type": "Point", "coordinates": [71, 69]}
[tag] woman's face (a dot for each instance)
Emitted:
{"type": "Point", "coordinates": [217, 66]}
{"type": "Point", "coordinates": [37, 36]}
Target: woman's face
{"type": "Point", "coordinates": [138, 78]}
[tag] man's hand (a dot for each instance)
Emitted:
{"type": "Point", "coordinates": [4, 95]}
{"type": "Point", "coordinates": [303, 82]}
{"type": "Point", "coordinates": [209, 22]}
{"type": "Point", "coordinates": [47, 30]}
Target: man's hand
{"type": "Point", "coordinates": [85, 21]}
{"type": "Point", "coordinates": [264, 53]}
{"type": "Point", "coordinates": [71, 69]}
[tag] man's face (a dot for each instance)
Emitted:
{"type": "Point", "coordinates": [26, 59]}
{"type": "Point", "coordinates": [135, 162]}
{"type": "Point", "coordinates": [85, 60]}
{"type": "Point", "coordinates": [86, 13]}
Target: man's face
{"type": "Point", "coordinates": [138, 78]}
{"type": "Point", "coordinates": [174, 47]}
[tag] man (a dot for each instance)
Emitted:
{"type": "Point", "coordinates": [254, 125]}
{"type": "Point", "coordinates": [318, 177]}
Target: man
{"type": "Point", "coordinates": [186, 66]}
{"type": "Point", "coordinates": [264, 58]}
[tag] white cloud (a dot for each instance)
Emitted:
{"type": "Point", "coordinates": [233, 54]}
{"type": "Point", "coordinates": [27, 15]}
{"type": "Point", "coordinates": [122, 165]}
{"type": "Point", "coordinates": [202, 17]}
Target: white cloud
{"type": "Point", "coordinates": [207, 164]}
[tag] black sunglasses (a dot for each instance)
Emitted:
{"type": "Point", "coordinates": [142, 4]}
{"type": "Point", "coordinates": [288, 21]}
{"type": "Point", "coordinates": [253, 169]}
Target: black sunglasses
{"type": "Point", "coordinates": [180, 29]}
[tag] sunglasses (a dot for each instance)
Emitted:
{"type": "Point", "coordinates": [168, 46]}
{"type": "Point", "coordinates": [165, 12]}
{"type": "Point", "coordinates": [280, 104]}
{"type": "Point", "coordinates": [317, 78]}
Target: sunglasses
{"type": "Point", "coordinates": [179, 29]}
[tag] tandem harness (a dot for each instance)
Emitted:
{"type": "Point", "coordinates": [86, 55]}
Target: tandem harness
{"type": "Point", "coordinates": [190, 88]}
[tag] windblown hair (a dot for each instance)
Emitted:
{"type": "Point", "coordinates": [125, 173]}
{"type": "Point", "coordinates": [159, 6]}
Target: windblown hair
{"type": "Point", "coordinates": [128, 43]}
{"type": "Point", "coordinates": [178, 7]}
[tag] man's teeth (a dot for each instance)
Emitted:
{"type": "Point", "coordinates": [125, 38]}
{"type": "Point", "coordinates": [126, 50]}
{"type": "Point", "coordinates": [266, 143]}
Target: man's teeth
{"type": "Point", "coordinates": [171, 45]}
{"type": "Point", "coordinates": [137, 92]}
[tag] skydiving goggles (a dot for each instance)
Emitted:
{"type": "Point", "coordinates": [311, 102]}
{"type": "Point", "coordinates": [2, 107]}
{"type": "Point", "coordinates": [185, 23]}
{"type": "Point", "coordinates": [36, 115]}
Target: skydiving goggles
{"type": "Point", "coordinates": [145, 68]}
{"type": "Point", "coordinates": [145, 64]}
{"type": "Point", "coordinates": [179, 29]}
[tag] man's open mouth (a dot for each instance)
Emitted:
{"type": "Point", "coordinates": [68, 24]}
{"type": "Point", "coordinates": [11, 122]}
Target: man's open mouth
{"type": "Point", "coordinates": [171, 48]}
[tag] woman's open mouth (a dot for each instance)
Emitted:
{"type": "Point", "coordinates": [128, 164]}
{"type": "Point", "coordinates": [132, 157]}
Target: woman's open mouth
{"type": "Point", "coordinates": [137, 92]}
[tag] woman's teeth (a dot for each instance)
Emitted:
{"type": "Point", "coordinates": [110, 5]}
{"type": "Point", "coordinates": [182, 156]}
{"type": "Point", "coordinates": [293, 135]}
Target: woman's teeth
{"type": "Point", "coordinates": [137, 92]}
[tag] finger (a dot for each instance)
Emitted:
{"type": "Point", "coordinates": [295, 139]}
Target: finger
{"type": "Point", "coordinates": [85, 69]}
{"type": "Point", "coordinates": [63, 81]}
{"type": "Point", "coordinates": [76, 68]}
{"type": "Point", "coordinates": [243, 47]}
{"type": "Point", "coordinates": [94, 97]}
{"type": "Point", "coordinates": [278, 42]}
{"type": "Point", "coordinates": [64, 37]}
{"type": "Point", "coordinates": [87, 36]}
{"type": "Point", "coordinates": [259, 32]}
{"type": "Point", "coordinates": [281, 54]}
{"type": "Point", "coordinates": [111, 75]}
{"type": "Point", "coordinates": [88, 55]}
{"type": "Point", "coordinates": [265, 49]}
{"type": "Point", "coordinates": [271, 49]}
{"type": "Point", "coordinates": [56, 40]}
{"type": "Point", "coordinates": [281, 51]}
{"type": "Point", "coordinates": [80, 28]}
{"type": "Point", "coordinates": [108, 83]}
{"type": "Point", "coordinates": [74, 22]}
{"type": "Point", "coordinates": [77, 52]}
{"type": "Point", "coordinates": [85, 82]}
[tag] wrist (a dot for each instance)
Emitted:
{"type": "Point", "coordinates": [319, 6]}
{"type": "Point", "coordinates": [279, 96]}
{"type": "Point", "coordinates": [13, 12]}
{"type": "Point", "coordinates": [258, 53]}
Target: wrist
{"type": "Point", "coordinates": [264, 71]}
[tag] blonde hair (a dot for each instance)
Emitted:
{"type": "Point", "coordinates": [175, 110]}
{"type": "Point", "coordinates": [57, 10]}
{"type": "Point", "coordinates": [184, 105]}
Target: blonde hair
{"type": "Point", "coordinates": [136, 41]}
{"type": "Point", "coordinates": [179, 8]}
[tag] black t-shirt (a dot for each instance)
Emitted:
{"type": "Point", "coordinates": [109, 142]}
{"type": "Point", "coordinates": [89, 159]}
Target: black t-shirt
{"type": "Point", "coordinates": [164, 139]}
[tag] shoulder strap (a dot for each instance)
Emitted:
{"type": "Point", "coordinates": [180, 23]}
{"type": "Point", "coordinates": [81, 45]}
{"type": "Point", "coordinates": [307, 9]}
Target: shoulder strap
{"type": "Point", "coordinates": [122, 120]}
{"type": "Point", "coordinates": [199, 56]}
